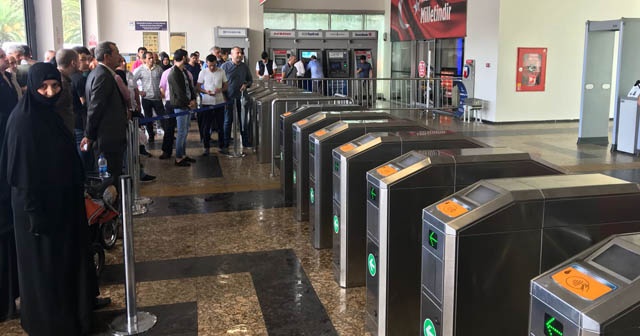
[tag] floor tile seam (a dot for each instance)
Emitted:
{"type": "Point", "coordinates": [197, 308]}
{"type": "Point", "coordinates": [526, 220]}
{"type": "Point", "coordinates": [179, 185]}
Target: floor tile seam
{"type": "Point", "coordinates": [192, 192]}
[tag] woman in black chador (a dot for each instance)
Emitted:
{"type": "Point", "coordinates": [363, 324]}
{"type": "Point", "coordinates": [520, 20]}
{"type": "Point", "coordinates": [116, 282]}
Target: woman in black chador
{"type": "Point", "coordinates": [41, 165]}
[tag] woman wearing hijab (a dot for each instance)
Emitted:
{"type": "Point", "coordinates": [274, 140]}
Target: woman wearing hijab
{"type": "Point", "coordinates": [41, 165]}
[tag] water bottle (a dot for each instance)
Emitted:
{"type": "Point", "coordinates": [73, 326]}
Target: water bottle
{"type": "Point", "coordinates": [102, 166]}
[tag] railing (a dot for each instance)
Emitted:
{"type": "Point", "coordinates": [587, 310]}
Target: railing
{"type": "Point", "coordinates": [441, 93]}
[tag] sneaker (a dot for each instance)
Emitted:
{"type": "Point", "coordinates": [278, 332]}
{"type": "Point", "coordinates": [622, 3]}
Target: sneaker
{"type": "Point", "coordinates": [182, 163]}
{"type": "Point", "coordinates": [145, 153]}
{"type": "Point", "coordinates": [147, 178]}
{"type": "Point", "coordinates": [188, 159]}
{"type": "Point", "coordinates": [164, 156]}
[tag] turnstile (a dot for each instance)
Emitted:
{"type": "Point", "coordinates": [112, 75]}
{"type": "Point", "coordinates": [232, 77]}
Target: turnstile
{"type": "Point", "coordinates": [350, 165]}
{"type": "Point", "coordinates": [300, 155]}
{"type": "Point", "coordinates": [321, 145]}
{"type": "Point", "coordinates": [252, 102]}
{"type": "Point", "coordinates": [265, 119]}
{"type": "Point", "coordinates": [286, 139]}
{"type": "Point", "coordinates": [403, 187]}
{"type": "Point", "coordinates": [594, 293]}
{"type": "Point", "coordinates": [483, 244]}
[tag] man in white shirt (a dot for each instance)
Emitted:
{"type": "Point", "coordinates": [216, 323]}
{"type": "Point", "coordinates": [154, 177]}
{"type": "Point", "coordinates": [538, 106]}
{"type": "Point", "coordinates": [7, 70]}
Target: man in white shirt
{"type": "Point", "coordinates": [149, 75]}
{"type": "Point", "coordinates": [212, 81]}
{"type": "Point", "coordinates": [265, 67]}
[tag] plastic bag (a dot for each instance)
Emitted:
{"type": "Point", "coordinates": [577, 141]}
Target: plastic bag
{"type": "Point", "coordinates": [143, 136]}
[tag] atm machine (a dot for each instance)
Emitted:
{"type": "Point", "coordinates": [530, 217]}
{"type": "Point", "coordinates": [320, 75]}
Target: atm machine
{"type": "Point", "coordinates": [351, 162]}
{"type": "Point", "coordinates": [286, 139]}
{"type": "Point", "coordinates": [402, 188]}
{"type": "Point", "coordinates": [305, 55]}
{"type": "Point", "coordinates": [279, 57]}
{"type": "Point", "coordinates": [337, 66]}
{"type": "Point", "coordinates": [482, 245]}
{"type": "Point", "coordinates": [321, 144]}
{"type": "Point", "coordinates": [594, 293]}
{"type": "Point", "coordinates": [300, 155]}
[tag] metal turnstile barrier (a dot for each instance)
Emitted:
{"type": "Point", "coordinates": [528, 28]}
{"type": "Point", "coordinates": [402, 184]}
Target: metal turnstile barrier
{"type": "Point", "coordinates": [321, 144]}
{"type": "Point", "coordinates": [300, 154]}
{"type": "Point", "coordinates": [483, 245]}
{"type": "Point", "coordinates": [286, 139]}
{"type": "Point", "coordinates": [596, 292]}
{"type": "Point", "coordinates": [402, 188]}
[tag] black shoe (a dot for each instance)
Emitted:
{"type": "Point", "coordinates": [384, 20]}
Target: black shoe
{"type": "Point", "coordinates": [188, 159]}
{"type": "Point", "coordinates": [99, 303]}
{"type": "Point", "coordinates": [145, 153]}
{"type": "Point", "coordinates": [164, 156]}
{"type": "Point", "coordinates": [182, 163]}
{"type": "Point", "coordinates": [147, 178]}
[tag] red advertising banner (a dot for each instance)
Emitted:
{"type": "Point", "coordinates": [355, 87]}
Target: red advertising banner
{"type": "Point", "coordinates": [531, 73]}
{"type": "Point", "coordinates": [428, 19]}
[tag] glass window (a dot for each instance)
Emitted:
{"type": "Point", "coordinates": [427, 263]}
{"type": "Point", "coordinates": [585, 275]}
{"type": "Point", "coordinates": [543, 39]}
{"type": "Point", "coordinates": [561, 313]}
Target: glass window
{"type": "Point", "coordinates": [349, 22]}
{"type": "Point", "coordinates": [279, 20]}
{"type": "Point", "coordinates": [312, 21]}
{"type": "Point", "coordinates": [12, 27]}
{"type": "Point", "coordinates": [72, 22]}
{"type": "Point", "coordinates": [374, 22]}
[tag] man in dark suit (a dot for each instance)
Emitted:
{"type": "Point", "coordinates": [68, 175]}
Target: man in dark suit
{"type": "Point", "coordinates": [106, 110]}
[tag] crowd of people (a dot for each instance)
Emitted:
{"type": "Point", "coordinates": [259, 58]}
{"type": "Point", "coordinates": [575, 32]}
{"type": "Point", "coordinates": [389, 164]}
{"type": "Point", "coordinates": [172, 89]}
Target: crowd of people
{"type": "Point", "coordinates": [56, 118]}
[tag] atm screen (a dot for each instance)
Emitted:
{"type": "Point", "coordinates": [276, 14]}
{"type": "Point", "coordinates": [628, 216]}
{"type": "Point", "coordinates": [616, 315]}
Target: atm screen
{"type": "Point", "coordinates": [337, 66]}
{"type": "Point", "coordinates": [481, 195]}
{"type": "Point", "coordinates": [308, 54]}
{"type": "Point", "coordinates": [552, 327]}
{"type": "Point", "coordinates": [621, 261]}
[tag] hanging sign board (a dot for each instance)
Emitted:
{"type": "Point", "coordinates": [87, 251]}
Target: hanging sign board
{"type": "Point", "coordinates": [413, 20]}
{"type": "Point", "coordinates": [151, 25]}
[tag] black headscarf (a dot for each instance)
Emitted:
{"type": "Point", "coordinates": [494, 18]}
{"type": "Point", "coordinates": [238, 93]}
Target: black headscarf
{"type": "Point", "coordinates": [38, 150]}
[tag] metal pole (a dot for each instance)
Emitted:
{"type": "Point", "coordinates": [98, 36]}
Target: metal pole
{"type": "Point", "coordinates": [138, 208]}
{"type": "Point", "coordinates": [133, 322]}
{"type": "Point", "coordinates": [236, 153]}
{"type": "Point", "coordinates": [139, 200]}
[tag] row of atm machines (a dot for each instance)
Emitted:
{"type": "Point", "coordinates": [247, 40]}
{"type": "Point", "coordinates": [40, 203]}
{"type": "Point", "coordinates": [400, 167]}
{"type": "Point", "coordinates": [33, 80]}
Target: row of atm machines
{"type": "Point", "coordinates": [336, 63]}
{"type": "Point", "coordinates": [447, 233]}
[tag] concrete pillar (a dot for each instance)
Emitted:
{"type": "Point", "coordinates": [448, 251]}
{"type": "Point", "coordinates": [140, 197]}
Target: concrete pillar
{"type": "Point", "coordinates": [48, 16]}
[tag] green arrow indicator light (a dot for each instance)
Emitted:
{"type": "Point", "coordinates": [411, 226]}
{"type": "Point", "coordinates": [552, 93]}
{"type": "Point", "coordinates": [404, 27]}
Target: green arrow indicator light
{"type": "Point", "coordinates": [312, 195]}
{"type": "Point", "coordinates": [433, 239]}
{"type": "Point", "coordinates": [552, 327]}
{"type": "Point", "coordinates": [336, 166]}
{"type": "Point", "coordinates": [336, 224]}
{"type": "Point", "coordinates": [372, 194]}
{"type": "Point", "coordinates": [429, 328]}
{"type": "Point", "coordinates": [294, 177]}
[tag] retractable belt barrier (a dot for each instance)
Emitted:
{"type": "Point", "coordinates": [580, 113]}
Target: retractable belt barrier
{"type": "Point", "coordinates": [143, 121]}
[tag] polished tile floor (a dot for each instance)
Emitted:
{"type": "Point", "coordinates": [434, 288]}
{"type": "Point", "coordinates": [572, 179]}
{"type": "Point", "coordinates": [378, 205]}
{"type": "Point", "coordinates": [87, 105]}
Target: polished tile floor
{"type": "Point", "coordinates": [219, 252]}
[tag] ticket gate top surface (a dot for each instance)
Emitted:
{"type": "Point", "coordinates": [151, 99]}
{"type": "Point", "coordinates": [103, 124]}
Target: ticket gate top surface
{"type": "Point", "coordinates": [596, 292]}
{"type": "Point", "coordinates": [483, 244]}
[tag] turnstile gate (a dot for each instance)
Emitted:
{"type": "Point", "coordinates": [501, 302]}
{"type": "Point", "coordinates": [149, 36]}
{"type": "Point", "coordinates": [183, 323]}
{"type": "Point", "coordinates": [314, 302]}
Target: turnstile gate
{"type": "Point", "coordinates": [483, 245]}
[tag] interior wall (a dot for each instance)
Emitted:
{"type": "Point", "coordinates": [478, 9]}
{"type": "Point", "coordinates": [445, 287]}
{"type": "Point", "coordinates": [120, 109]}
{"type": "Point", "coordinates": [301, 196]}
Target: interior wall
{"type": "Point", "coordinates": [481, 45]}
{"type": "Point", "coordinates": [196, 18]}
{"type": "Point", "coordinates": [336, 5]}
{"type": "Point", "coordinates": [558, 26]}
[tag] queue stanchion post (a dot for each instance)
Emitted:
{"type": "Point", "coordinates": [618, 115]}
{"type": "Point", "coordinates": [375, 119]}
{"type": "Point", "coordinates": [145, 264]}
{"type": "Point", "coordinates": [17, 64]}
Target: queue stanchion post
{"type": "Point", "coordinates": [138, 200]}
{"type": "Point", "coordinates": [133, 165]}
{"type": "Point", "coordinates": [236, 153]}
{"type": "Point", "coordinates": [133, 322]}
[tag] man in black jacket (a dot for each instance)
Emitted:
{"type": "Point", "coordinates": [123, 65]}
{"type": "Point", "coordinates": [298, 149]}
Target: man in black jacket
{"type": "Point", "coordinates": [106, 110]}
{"type": "Point", "coordinates": [183, 99]}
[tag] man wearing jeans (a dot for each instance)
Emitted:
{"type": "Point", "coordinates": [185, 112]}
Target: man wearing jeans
{"type": "Point", "coordinates": [149, 76]}
{"type": "Point", "coordinates": [239, 78]}
{"type": "Point", "coordinates": [183, 99]}
{"type": "Point", "coordinates": [212, 82]}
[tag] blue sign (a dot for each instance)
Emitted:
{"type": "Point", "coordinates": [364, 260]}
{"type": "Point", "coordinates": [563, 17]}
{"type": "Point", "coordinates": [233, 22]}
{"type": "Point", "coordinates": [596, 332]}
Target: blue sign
{"type": "Point", "coordinates": [151, 25]}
